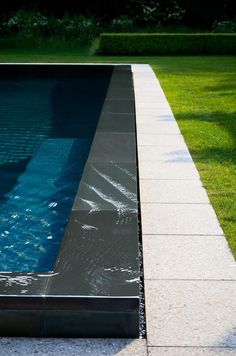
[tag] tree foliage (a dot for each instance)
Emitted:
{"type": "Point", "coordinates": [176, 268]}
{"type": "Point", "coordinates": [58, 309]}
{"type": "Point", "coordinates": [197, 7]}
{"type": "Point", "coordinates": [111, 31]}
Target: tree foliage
{"type": "Point", "coordinates": [193, 13]}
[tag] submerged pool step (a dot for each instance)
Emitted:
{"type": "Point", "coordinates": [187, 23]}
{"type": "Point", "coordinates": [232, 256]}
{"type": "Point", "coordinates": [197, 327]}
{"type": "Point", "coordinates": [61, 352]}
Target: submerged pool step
{"type": "Point", "coordinates": [30, 231]}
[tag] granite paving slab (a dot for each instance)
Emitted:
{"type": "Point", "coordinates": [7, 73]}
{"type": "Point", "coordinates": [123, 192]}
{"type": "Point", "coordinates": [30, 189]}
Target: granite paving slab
{"type": "Point", "coordinates": [163, 153]}
{"type": "Point", "coordinates": [167, 170]}
{"type": "Point", "coordinates": [72, 347]}
{"type": "Point", "coordinates": [191, 351]}
{"type": "Point", "coordinates": [148, 126]}
{"type": "Point", "coordinates": [161, 140]}
{"type": "Point", "coordinates": [173, 191]}
{"type": "Point", "coordinates": [191, 313]}
{"type": "Point", "coordinates": [188, 257]}
{"type": "Point", "coordinates": [179, 219]}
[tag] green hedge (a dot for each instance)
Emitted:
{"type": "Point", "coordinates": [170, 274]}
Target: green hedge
{"type": "Point", "coordinates": [167, 43]}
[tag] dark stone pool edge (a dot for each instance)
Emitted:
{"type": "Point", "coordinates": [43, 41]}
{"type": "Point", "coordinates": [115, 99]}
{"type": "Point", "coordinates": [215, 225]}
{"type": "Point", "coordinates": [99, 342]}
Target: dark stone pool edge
{"type": "Point", "coordinates": [67, 316]}
{"type": "Point", "coordinates": [28, 308]}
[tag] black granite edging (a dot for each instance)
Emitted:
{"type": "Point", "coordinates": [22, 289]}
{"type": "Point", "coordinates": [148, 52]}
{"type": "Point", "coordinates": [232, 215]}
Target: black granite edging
{"type": "Point", "coordinates": [98, 257]}
{"type": "Point", "coordinates": [50, 316]}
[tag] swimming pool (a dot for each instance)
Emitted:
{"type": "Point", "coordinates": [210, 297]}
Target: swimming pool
{"type": "Point", "coordinates": [68, 201]}
{"type": "Point", "coordinates": [48, 119]}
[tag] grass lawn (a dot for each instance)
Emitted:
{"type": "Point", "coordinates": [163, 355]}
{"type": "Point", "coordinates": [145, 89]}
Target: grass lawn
{"type": "Point", "coordinates": [202, 94]}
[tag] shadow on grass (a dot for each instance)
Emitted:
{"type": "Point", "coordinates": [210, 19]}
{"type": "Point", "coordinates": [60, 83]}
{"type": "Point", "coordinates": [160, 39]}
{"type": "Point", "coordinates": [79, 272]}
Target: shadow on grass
{"type": "Point", "coordinates": [224, 86]}
{"type": "Point", "coordinates": [218, 151]}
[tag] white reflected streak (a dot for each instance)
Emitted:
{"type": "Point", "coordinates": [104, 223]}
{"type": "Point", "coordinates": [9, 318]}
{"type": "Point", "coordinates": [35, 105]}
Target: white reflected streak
{"type": "Point", "coordinates": [116, 185]}
{"type": "Point", "coordinates": [126, 171]}
{"type": "Point", "coordinates": [20, 280]}
{"type": "Point", "coordinates": [89, 227]}
{"type": "Point", "coordinates": [94, 206]}
{"type": "Point", "coordinates": [132, 280]}
{"type": "Point", "coordinates": [117, 204]}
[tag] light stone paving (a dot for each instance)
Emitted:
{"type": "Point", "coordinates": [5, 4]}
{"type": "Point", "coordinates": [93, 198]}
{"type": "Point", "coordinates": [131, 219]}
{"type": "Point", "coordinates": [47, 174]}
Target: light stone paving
{"type": "Point", "coordinates": [179, 219]}
{"type": "Point", "coordinates": [205, 257]}
{"type": "Point", "coordinates": [189, 271]}
{"type": "Point", "coordinates": [191, 313]}
{"type": "Point", "coordinates": [176, 141]}
{"type": "Point", "coordinates": [72, 347]}
{"type": "Point", "coordinates": [190, 351]}
{"type": "Point", "coordinates": [169, 128]}
{"type": "Point", "coordinates": [167, 154]}
{"type": "Point", "coordinates": [167, 170]}
{"type": "Point", "coordinates": [173, 191]}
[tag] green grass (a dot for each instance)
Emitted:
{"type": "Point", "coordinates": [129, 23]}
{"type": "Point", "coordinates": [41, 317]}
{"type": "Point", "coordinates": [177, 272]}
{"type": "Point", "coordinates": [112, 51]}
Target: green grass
{"type": "Point", "coordinates": [202, 93]}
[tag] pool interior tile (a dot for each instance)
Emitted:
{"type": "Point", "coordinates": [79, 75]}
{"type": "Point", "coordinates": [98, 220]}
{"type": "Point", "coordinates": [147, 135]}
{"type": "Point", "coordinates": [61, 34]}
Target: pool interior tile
{"type": "Point", "coordinates": [107, 187]}
{"type": "Point", "coordinates": [118, 106]}
{"type": "Point", "coordinates": [113, 148]}
{"type": "Point", "coordinates": [120, 94]}
{"type": "Point", "coordinates": [112, 122]}
{"type": "Point", "coordinates": [119, 83]}
{"type": "Point", "coordinates": [121, 74]}
{"type": "Point", "coordinates": [107, 257]}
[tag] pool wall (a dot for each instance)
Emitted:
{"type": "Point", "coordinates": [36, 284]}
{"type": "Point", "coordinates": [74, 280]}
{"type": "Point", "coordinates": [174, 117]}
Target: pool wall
{"type": "Point", "coordinates": [93, 290]}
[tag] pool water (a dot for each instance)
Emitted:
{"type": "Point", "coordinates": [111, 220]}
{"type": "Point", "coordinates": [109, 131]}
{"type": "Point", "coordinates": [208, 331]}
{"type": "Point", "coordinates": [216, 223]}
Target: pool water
{"type": "Point", "coordinates": [48, 117]}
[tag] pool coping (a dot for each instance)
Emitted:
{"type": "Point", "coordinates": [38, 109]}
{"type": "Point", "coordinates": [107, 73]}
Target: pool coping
{"type": "Point", "coordinates": [58, 298]}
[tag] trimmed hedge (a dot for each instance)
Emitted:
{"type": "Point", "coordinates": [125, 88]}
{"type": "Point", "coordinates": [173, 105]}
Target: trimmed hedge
{"type": "Point", "coordinates": [167, 43]}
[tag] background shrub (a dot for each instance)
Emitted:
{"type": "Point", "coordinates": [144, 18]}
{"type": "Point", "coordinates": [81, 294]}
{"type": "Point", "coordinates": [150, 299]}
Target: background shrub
{"type": "Point", "coordinates": [33, 24]}
{"type": "Point", "coordinates": [167, 44]}
{"type": "Point", "coordinates": [122, 24]}
{"type": "Point", "coordinates": [28, 23]}
{"type": "Point", "coordinates": [225, 26]}
{"type": "Point", "coordinates": [197, 13]}
{"type": "Point", "coordinates": [155, 13]}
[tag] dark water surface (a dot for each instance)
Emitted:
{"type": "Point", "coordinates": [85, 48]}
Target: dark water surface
{"type": "Point", "coordinates": [48, 117]}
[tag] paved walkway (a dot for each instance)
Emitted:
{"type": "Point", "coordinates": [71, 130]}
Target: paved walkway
{"type": "Point", "coordinates": [189, 272]}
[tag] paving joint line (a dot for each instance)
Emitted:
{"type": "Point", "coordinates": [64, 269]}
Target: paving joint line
{"type": "Point", "coordinates": [173, 203]}
{"type": "Point", "coordinates": [194, 347]}
{"type": "Point", "coordinates": [192, 280]}
{"type": "Point", "coordinates": [174, 234]}
{"type": "Point", "coordinates": [182, 179]}
{"type": "Point", "coordinates": [170, 179]}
